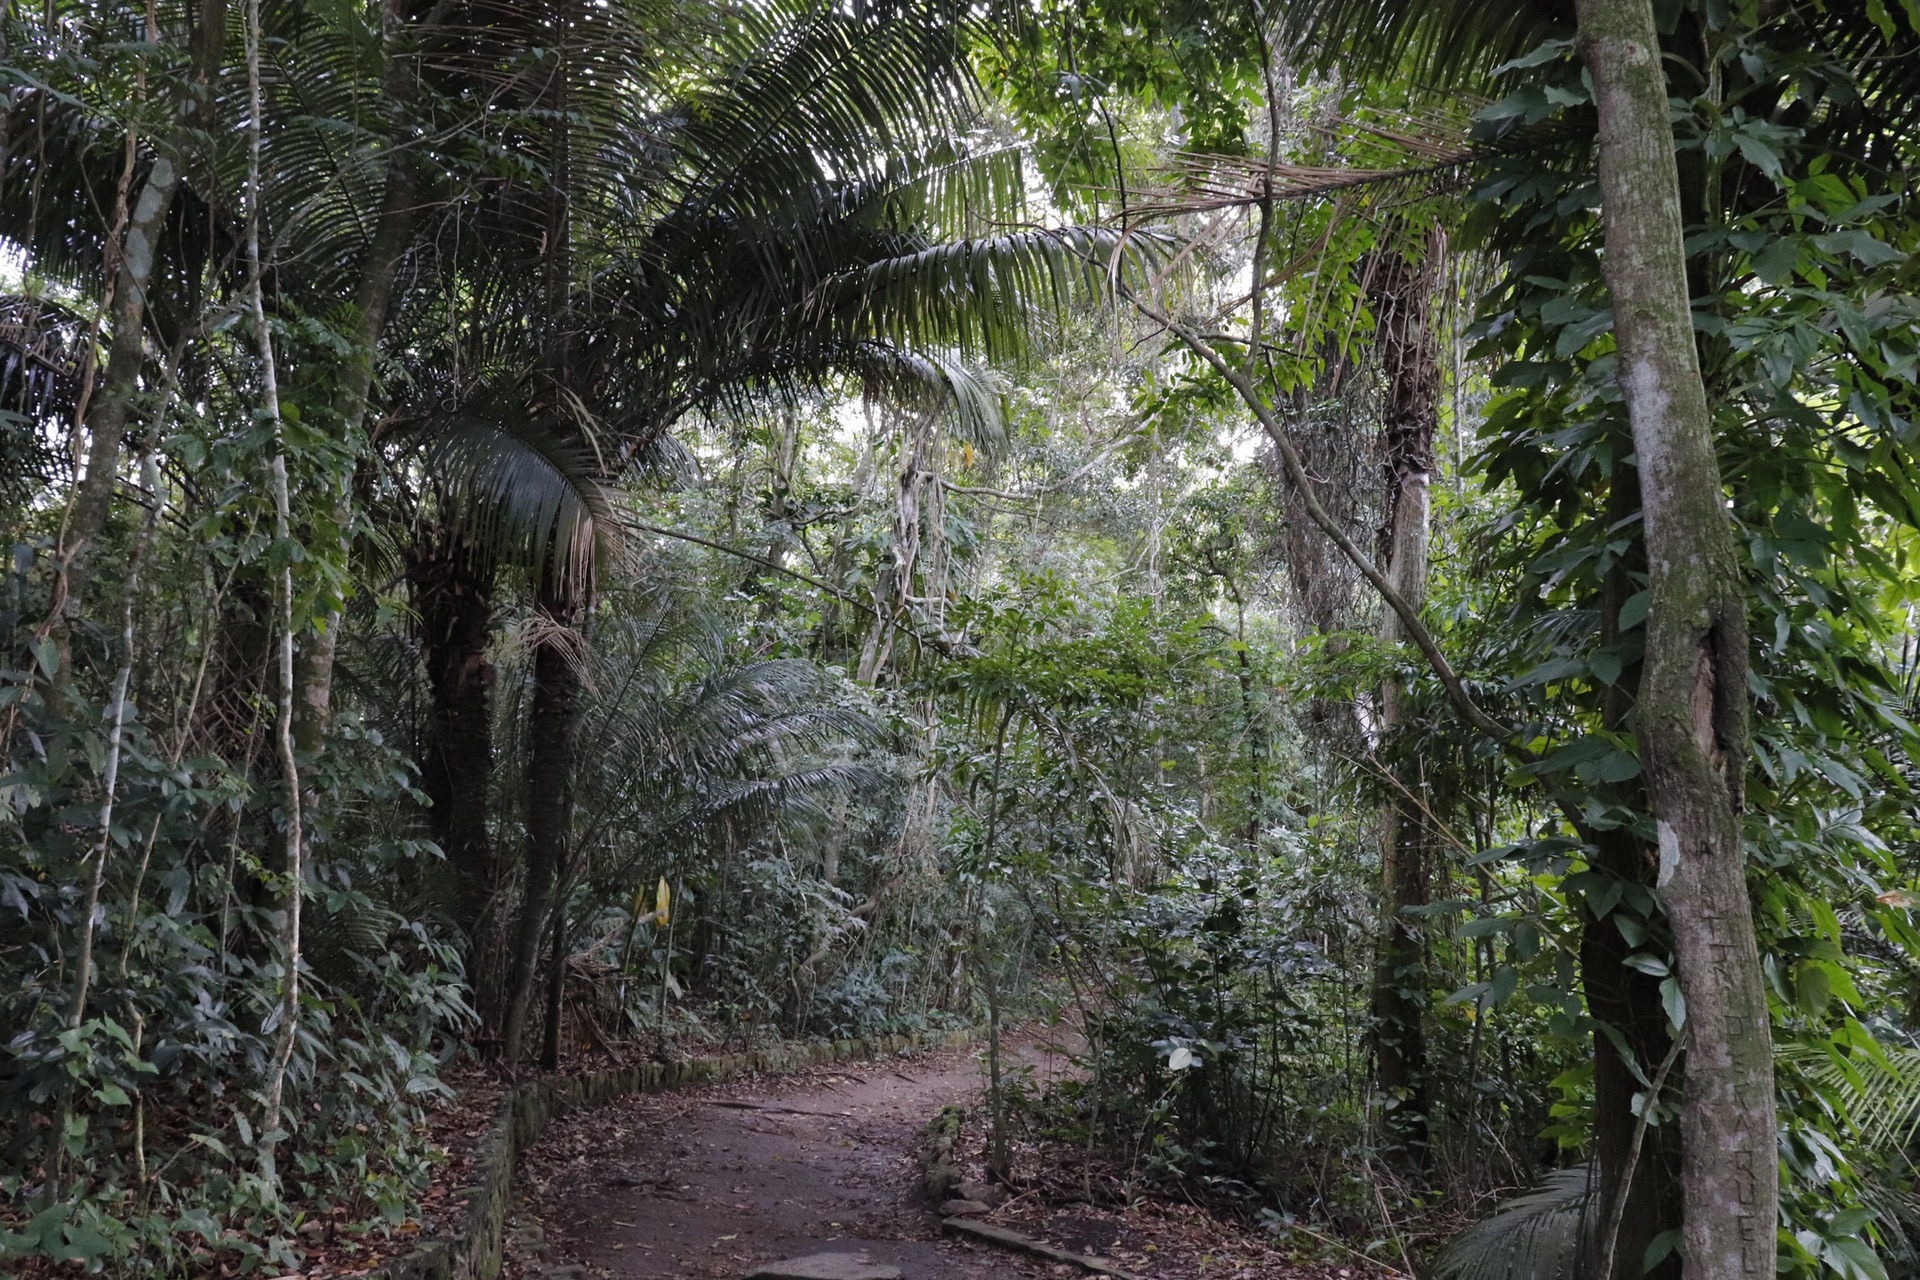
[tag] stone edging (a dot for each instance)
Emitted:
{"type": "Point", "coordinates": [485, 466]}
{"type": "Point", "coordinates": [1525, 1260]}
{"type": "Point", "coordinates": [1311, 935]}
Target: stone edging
{"type": "Point", "coordinates": [939, 1174]}
{"type": "Point", "coordinates": [473, 1252]}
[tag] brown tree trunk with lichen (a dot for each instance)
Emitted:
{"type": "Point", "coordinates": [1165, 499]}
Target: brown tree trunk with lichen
{"type": "Point", "coordinates": [552, 733]}
{"type": "Point", "coordinates": [563, 597]}
{"type": "Point", "coordinates": [1402, 295]}
{"type": "Point", "coordinates": [1692, 714]}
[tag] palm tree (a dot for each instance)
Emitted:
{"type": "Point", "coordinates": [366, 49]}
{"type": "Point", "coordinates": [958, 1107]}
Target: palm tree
{"type": "Point", "coordinates": [686, 748]}
{"type": "Point", "coordinates": [777, 227]}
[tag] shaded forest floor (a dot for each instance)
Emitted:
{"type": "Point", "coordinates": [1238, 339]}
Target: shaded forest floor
{"type": "Point", "coordinates": [716, 1181]}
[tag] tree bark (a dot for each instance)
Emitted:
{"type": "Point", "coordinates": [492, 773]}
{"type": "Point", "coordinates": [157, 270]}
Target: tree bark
{"type": "Point", "coordinates": [1692, 717]}
{"type": "Point", "coordinates": [392, 237]}
{"type": "Point", "coordinates": [136, 257]}
{"type": "Point", "coordinates": [564, 586]}
{"type": "Point", "coordinates": [452, 584]}
{"type": "Point", "coordinates": [272, 1115]}
{"type": "Point", "coordinates": [556, 985]}
{"type": "Point", "coordinates": [552, 722]}
{"type": "Point", "coordinates": [1403, 302]}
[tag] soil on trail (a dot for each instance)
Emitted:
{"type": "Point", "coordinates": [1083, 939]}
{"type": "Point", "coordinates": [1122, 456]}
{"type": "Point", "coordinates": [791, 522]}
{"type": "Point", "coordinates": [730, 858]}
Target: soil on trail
{"type": "Point", "coordinates": [716, 1182]}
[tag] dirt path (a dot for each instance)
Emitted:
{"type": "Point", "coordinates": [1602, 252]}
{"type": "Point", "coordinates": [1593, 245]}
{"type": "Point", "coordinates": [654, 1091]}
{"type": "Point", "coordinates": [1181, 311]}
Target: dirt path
{"type": "Point", "coordinates": [716, 1182]}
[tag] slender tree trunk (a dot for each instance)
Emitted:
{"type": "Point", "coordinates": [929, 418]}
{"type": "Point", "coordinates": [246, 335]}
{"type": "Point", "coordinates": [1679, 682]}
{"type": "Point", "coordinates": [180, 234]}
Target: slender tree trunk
{"type": "Point", "coordinates": [392, 236]}
{"type": "Point", "coordinates": [1403, 300]}
{"type": "Point", "coordinates": [110, 774]}
{"type": "Point", "coordinates": [119, 387]}
{"type": "Point", "coordinates": [1692, 717]}
{"type": "Point", "coordinates": [553, 722]}
{"type": "Point", "coordinates": [135, 259]}
{"type": "Point", "coordinates": [294, 881]}
{"type": "Point", "coordinates": [84, 965]}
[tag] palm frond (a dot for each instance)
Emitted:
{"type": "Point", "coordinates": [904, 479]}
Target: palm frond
{"type": "Point", "coordinates": [1535, 1236]}
{"type": "Point", "coordinates": [1877, 1093]}
{"type": "Point", "coordinates": [1444, 46]}
{"type": "Point", "coordinates": [986, 295]}
{"type": "Point", "coordinates": [524, 490]}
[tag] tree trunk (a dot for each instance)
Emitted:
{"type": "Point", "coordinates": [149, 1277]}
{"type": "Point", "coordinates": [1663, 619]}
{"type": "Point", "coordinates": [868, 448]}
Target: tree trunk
{"type": "Point", "coordinates": [135, 259]}
{"type": "Point", "coordinates": [120, 382]}
{"type": "Point", "coordinates": [556, 985]}
{"type": "Point", "coordinates": [552, 723]}
{"type": "Point", "coordinates": [392, 236]}
{"type": "Point", "coordinates": [452, 585]}
{"type": "Point", "coordinates": [1692, 717]}
{"type": "Point", "coordinates": [1625, 999]}
{"type": "Point", "coordinates": [564, 588]}
{"type": "Point", "coordinates": [293, 883]}
{"type": "Point", "coordinates": [1403, 301]}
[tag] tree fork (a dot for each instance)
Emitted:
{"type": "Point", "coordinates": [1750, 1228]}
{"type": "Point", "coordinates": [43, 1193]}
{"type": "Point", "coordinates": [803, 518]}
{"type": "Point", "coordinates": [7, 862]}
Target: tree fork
{"type": "Point", "coordinates": [1692, 717]}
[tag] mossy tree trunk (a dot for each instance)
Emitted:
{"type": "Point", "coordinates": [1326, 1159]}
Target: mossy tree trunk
{"type": "Point", "coordinates": [353, 377]}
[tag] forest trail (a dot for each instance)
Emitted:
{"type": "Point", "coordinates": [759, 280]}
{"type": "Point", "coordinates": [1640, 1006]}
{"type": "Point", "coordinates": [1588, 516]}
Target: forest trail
{"type": "Point", "coordinates": [717, 1182]}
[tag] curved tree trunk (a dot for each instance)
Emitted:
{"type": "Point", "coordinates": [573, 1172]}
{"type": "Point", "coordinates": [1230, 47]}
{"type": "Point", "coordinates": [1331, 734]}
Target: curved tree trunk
{"type": "Point", "coordinates": [392, 236]}
{"type": "Point", "coordinates": [1692, 717]}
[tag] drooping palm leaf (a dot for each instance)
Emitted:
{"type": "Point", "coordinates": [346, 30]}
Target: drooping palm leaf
{"type": "Point", "coordinates": [524, 489]}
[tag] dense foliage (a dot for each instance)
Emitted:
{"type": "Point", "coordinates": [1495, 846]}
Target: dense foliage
{"type": "Point", "coordinates": [540, 532]}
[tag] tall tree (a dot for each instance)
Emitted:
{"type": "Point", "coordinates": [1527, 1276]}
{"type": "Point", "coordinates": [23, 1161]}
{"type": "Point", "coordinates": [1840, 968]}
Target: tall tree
{"type": "Point", "coordinates": [1402, 296]}
{"type": "Point", "coordinates": [1692, 714]}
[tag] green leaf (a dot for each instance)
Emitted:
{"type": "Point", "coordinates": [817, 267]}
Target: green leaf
{"type": "Point", "coordinates": [1775, 263]}
{"type": "Point", "coordinates": [1539, 55]}
{"type": "Point", "coordinates": [1758, 153]}
{"type": "Point", "coordinates": [1812, 990]}
{"type": "Point", "coordinates": [1659, 1247]}
{"type": "Point", "coordinates": [1673, 1002]}
{"type": "Point", "coordinates": [1575, 337]}
{"type": "Point", "coordinates": [1506, 980]}
{"type": "Point", "coordinates": [1615, 766]}
{"type": "Point", "coordinates": [1853, 1258]}
{"type": "Point", "coordinates": [1862, 245]}
{"type": "Point", "coordinates": [46, 654]}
